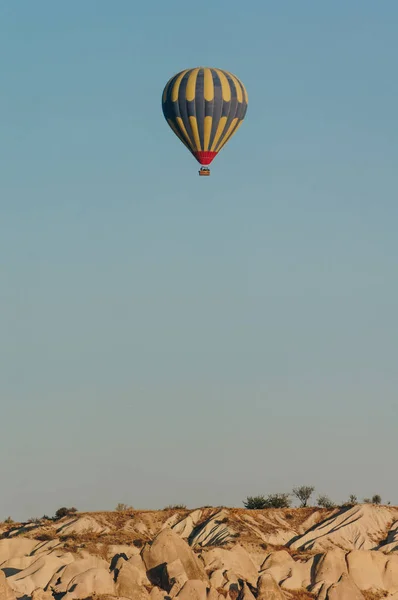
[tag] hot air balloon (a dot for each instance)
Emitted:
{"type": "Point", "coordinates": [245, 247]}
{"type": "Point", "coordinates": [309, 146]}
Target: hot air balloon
{"type": "Point", "coordinates": [204, 107]}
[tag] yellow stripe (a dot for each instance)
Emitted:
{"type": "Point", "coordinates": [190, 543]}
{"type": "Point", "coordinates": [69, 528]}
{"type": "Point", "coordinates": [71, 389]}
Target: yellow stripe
{"type": "Point", "coordinates": [226, 88]}
{"type": "Point", "coordinates": [219, 132]}
{"type": "Point", "coordinates": [239, 92]}
{"type": "Point", "coordinates": [231, 130]}
{"type": "Point", "coordinates": [166, 89]}
{"type": "Point", "coordinates": [178, 134]}
{"type": "Point", "coordinates": [176, 86]}
{"type": "Point", "coordinates": [195, 132]}
{"type": "Point", "coordinates": [191, 85]}
{"type": "Point", "coordinates": [181, 125]}
{"type": "Point", "coordinates": [207, 130]}
{"type": "Point", "coordinates": [208, 87]}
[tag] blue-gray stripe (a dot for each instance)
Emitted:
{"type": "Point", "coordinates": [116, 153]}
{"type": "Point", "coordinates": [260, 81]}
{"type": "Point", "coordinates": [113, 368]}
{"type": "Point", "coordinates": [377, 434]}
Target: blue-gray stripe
{"type": "Point", "coordinates": [233, 104]}
{"type": "Point", "coordinates": [200, 106]}
{"type": "Point", "coordinates": [217, 106]}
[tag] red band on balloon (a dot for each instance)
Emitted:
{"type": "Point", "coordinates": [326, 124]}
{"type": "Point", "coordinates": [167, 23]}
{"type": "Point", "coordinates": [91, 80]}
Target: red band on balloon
{"type": "Point", "coordinates": [205, 158]}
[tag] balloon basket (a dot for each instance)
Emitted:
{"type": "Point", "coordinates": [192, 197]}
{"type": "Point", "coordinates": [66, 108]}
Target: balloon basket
{"type": "Point", "coordinates": [204, 172]}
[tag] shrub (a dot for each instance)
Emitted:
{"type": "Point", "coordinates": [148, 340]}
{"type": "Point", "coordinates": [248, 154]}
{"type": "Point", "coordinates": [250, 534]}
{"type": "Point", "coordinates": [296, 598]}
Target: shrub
{"type": "Point", "coordinates": [176, 507]}
{"type": "Point", "coordinates": [278, 501]}
{"type": "Point", "coordinates": [325, 502]}
{"type": "Point", "coordinates": [271, 501]}
{"type": "Point", "coordinates": [8, 521]}
{"type": "Point", "coordinates": [46, 536]}
{"type": "Point", "coordinates": [65, 512]}
{"type": "Point", "coordinates": [255, 502]}
{"type": "Point", "coordinates": [123, 507]}
{"type": "Point", "coordinates": [303, 493]}
{"type": "Point", "coordinates": [367, 500]}
{"type": "Point", "coordinates": [352, 501]}
{"type": "Point", "coordinates": [376, 499]}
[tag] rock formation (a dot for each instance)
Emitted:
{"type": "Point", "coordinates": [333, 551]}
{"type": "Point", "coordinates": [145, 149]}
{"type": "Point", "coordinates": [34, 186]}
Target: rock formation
{"type": "Point", "coordinates": [206, 554]}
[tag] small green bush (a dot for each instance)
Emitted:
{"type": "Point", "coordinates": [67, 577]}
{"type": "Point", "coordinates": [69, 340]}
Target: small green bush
{"type": "Point", "coordinates": [255, 502]}
{"type": "Point", "coordinates": [278, 501]}
{"type": "Point", "coordinates": [352, 501]}
{"type": "Point", "coordinates": [324, 501]}
{"type": "Point", "coordinates": [65, 512]}
{"type": "Point", "coordinates": [123, 507]}
{"type": "Point", "coordinates": [271, 501]}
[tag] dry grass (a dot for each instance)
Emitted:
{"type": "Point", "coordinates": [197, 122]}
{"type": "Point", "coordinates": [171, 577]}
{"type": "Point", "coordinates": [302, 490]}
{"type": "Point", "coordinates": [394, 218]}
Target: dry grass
{"type": "Point", "coordinates": [122, 525]}
{"type": "Point", "coordinates": [99, 544]}
{"type": "Point", "coordinates": [272, 548]}
{"type": "Point", "coordinates": [44, 534]}
{"type": "Point", "coordinates": [375, 595]}
{"type": "Point", "coordinates": [117, 538]}
{"type": "Point", "coordinates": [301, 595]}
{"type": "Point", "coordinates": [101, 597]}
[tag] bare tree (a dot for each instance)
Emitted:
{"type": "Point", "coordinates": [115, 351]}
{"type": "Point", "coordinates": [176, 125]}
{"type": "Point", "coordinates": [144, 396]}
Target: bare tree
{"type": "Point", "coordinates": [303, 493]}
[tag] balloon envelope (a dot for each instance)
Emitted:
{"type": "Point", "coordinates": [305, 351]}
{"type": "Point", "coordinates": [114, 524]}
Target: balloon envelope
{"type": "Point", "coordinates": [204, 107]}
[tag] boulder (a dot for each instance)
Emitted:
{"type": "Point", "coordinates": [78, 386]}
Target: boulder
{"type": "Point", "coordinates": [217, 579]}
{"type": "Point", "coordinates": [40, 594]}
{"type": "Point", "coordinates": [94, 581]}
{"type": "Point", "coordinates": [390, 578]}
{"type": "Point", "coordinates": [366, 569]}
{"type": "Point", "coordinates": [168, 547]}
{"type": "Point", "coordinates": [61, 579]}
{"type": "Point", "coordinates": [268, 589]}
{"type": "Point", "coordinates": [328, 568]}
{"type": "Point", "coordinates": [193, 590]}
{"type": "Point", "coordinates": [344, 589]}
{"type": "Point", "coordinates": [279, 564]}
{"type": "Point", "coordinates": [20, 546]}
{"type": "Point", "coordinates": [157, 594]}
{"type": "Point", "coordinates": [236, 560]}
{"type": "Point", "coordinates": [174, 577]}
{"type": "Point", "coordinates": [131, 579]}
{"type": "Point", "coordinates": [6, 593]}
{"type": "Point", "coordinates": [213, 594]}
{"type": "Point", "coordinates": [38, 574]}
{"type": "Point", "coordinates": [246, 593]}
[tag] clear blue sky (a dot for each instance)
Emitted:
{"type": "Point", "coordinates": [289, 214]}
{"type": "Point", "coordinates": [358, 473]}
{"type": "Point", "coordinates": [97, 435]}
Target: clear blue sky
{"type": "Point", "coordinates": [167, 338]}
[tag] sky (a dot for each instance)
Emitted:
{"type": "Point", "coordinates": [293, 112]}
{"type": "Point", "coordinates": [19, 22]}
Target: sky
{"type": "Point", "coordinates": [166, 338]}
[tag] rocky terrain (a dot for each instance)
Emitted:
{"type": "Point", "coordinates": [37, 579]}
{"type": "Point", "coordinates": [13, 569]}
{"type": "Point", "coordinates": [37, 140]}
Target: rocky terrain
{"type": "Point", "coordinates": [346, 553]}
